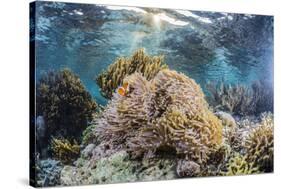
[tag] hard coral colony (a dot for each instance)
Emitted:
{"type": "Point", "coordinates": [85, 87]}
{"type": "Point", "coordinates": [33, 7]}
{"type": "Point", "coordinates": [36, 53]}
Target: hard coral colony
{"type": "Point", "coordinates": [158, 125]}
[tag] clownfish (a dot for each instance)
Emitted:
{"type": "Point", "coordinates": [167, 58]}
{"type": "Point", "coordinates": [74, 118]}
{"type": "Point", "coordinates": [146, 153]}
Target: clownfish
{"type": "Point", "coordinates": [123, 90]}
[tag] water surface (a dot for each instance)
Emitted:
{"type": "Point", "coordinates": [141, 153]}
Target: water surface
{"type": "Point", "coordinates": [206, 46]}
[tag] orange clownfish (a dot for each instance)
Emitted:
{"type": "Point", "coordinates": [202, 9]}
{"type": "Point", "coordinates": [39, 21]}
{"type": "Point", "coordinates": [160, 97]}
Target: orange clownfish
{"type": "Point", "coordinates": [123, 90]}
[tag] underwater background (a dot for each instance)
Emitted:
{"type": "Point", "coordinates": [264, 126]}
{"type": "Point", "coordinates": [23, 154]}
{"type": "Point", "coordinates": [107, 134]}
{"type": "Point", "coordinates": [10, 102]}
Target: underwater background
{"type": "Point", "coordinates": [126, 94]}
{"type": "Point", "coordinates": [207, 46]}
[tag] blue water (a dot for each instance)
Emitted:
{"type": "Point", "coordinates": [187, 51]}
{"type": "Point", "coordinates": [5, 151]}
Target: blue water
{"type": "Point", "coordinates": [205, 46]}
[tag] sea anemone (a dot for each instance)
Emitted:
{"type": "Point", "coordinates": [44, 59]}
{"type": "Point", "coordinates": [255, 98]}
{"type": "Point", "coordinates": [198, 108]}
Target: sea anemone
{"type": "Point", "coordinates": [142, 124]}
{"type": "Point", "coordinates": [147, 65]}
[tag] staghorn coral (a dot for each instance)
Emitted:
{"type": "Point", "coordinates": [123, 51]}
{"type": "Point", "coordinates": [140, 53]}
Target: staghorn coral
{"type": "Point", "coordinates": [142, 124]}
{"type": "Point", "coordinates": [240, 99]}
{"type": "Point", "coordinates": [259, 144]}
{"type": "Point", "coordinates": [148, 66]}
{"type": "Point", "coordinates": [238, 165]}
{"type": "Point", "coordinates": [232, 98]}
{"type": "Point", "coordinates": [65, 151]}
{"type": "Point", "coordinates": [64, 103]}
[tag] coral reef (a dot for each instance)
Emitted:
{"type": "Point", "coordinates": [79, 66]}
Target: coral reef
{"type": "Point", "coordinates": [64, 103]}
{"type": "Point", "coordinates": [167, 112]}
{"type": "Point", "coordinates": [64, 150]}
{"type": "Point", "coordinates": [88, 135]}
{"type": "Point", "coordinates": [217, 161]}
{"type": "Point", "coordinates": [116, 168]}
{"type": "Point", "coordinates": [159, 127]}
{"type": "Point", "coordinates": [48, 173]}
{"type": "Point", "coordinates": [156, 169]}
{"type": "Point", "coordinates": [263, 95]}
{"type": "Point", "coordinates": [187, 168]}
{"type": "Point", "coordinates": [259, 144]}
{"type": "Point", "coordinates": [240, 99]}
{"type": "Point", "coordinates": [232, 98]}
{"type": "Point", "coordinates": [147, 65]}
{"type": "Point", "coordinates": [227, 119]}
{"type": "Point", "coordinates": [238, 165]}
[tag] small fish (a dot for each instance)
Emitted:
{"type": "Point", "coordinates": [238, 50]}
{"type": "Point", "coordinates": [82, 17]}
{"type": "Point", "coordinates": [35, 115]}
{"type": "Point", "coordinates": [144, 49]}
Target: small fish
{"type": "Point", "coordinates": [123, 90]}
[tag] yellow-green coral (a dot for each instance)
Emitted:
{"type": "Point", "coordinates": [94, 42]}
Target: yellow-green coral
{"type": "Point", "coordinates": [147, 65]}
{"type": "Point", "coordinates": [167, 112]}
{"type": "Point", "coordinates": [64, 150]}
{"type": "Point", "coordinates": [238, 165]}
{"type": "Point", "coordinates": [259, 144]}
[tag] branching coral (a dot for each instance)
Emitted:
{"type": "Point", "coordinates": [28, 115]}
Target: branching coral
{"type": "Point", "coordinates": [64, 151]}
{"type": "Point", "coordinates": [240, 99]}
{"type": "Point", "coordinates": [217, 161]}
{"type": "Point", "coordinates": [233, 98]}
{"type": "Point", "coordinates": [259, 144]}
{"type": "Point", "coordinates": [147, 65]}
{"type": "Point", "coordinates": [263, 95]}
{"type": "Point", "coordinates": [238, 165]}
{"type": "Point", "coordinates": [63, 101]}
{"type": "Point", "coordinates": [48, 173]}
{"type": "Point", "coordinates": [167, 112]}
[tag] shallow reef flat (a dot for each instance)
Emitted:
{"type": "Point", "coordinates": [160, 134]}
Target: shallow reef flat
{"type": "Point", "coordinates": [158, 124]}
